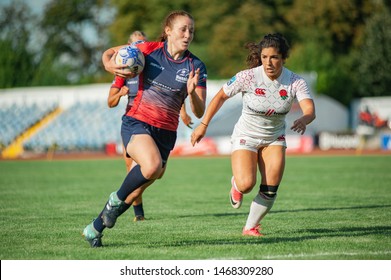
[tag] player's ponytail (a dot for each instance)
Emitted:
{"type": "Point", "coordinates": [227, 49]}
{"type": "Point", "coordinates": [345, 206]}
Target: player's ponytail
{"type": "Point", "coordinates": [254, 55]}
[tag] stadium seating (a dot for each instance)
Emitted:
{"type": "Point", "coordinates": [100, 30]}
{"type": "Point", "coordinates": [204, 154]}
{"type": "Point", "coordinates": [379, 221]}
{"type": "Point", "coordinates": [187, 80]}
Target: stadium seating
{"type": "Point", "coordinates": [16, 118]}
{"type": "Point", "coordinates": [83, 126]}
{"type": "Point", "coordinates": [86, 123]}
{"type": "Point", "coordinates": [89, 125]}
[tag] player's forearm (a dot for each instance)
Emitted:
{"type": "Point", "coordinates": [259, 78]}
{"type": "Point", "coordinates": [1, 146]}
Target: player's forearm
{"type": "Point", "coordinates": [106, 56]}
{"type": "Point", "coordinates": [308, 118]}
{"type": "Point", "coordinates": [113, 100]}
{"type": "Point", "coordinates": [214, 106]}
{"type": "Point", "coordinates": [308, 109]}
{"type": "Point", "coordinates": [197, 102]}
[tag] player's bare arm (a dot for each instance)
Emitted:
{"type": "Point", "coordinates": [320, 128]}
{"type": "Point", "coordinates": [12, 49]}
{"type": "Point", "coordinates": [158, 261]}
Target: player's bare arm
{"type": "Point", "coordinates": [115, 95]}
{"type": "Point", "coordinates": [308, 108]}
{"type": "Point", "coordinates": [185, 116]}
{"type": "Point", "coordinates": [197, 95]}
{"type": "Point", "coordinates": [213, 108]}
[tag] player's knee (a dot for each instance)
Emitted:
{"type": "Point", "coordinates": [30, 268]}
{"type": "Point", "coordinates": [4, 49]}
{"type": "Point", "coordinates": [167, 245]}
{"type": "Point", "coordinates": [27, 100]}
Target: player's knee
{"type": "Point", "coordinates": [152, 171]}
{"type": "Point", "coordinates": [268, 191]}
{"type": "Point", "coordinates": [245, 185]}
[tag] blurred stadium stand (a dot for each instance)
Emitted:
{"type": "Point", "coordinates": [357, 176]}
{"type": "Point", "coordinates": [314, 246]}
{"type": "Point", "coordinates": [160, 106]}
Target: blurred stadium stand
{"type": "Point", "coordinates": [83, 126]}
{"type": "Point", "coordinates": [15, 119]}
{"type": "Point", "coordinates": [85, 123]}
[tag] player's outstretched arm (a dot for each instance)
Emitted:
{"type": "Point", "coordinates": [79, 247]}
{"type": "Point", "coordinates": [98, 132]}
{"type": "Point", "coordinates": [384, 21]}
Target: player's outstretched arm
{"type": "Point", "coordinates": [214, 106]}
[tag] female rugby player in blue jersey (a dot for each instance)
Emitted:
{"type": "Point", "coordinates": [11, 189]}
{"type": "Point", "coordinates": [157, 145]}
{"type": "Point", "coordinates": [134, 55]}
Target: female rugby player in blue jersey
{"type": "Point", "coordinates": [171, 74]}
{"type": "Point", "coordinates": [258, 141]}
{"type": "Point", "coordinates": [128, 87]}
{"type": "Point", "coordinates": [120, 87]}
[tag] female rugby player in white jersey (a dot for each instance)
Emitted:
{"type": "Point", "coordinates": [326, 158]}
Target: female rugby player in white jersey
{"type": "Point", "coordinates": [258, 140]}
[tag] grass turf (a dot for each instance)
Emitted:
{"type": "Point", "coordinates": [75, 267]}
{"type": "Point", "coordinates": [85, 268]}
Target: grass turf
{"type": "Point", "coordinates": [328, 208]}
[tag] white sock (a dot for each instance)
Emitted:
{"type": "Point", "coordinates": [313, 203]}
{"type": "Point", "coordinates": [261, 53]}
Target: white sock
{"type": "Point", "coordinates": [260, 206]}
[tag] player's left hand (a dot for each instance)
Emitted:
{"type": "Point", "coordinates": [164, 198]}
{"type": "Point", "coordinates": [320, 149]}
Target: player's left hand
{"type": "Point", "coordinates": [193, 80]}
{"type": "Point", "coordinates": [299, 126]}
{"type": "Point", "coordinates": [187, 120]}
{"type": "Point", "coordinates": [189, 125]}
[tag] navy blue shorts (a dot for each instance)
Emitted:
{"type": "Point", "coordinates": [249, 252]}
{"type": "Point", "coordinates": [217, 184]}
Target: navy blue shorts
{"type": "Point", "coordinates": [164, 139]}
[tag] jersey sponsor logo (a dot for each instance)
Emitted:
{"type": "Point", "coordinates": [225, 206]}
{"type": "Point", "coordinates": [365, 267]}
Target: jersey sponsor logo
{"type": "Point", "coordinates": [182, 75]}
{"type": "Point", "coordinates": [132, 81]}
{"type": "Point", "coordinates": [160, 85]}
{"type": "Point", "coordinates": [230, 82]}
{"type": "Point", "coordinates": [260, 91]}
{"type": "Point", "coordinates": [283, 94]}
{"type": "Point", "coordinates": [269, 112]}
{"type": "Point", "coordinates": [157, 65]}
{"type": "Point", "coordinates": [242, 142]}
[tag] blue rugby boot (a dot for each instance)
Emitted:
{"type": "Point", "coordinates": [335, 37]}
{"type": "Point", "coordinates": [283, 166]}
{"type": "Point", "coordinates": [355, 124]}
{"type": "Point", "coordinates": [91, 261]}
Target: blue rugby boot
{"type": "Point", "coordinates": [93, 236]}
{"type": "Point", "coordinates": [113, 209]}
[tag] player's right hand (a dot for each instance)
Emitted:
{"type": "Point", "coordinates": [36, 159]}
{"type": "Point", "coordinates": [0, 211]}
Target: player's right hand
{"type": "Point", "coordinates": [198, 134]}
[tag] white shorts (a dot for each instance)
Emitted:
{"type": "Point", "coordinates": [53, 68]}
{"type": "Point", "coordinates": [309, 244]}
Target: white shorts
{"type": "Point", "coordinates": [240, 142]}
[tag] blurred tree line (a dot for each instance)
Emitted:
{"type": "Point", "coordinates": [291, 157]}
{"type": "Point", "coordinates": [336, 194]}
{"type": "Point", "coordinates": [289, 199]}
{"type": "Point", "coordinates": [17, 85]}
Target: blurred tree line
{"type": "Point", "coordinates": [346, 43]}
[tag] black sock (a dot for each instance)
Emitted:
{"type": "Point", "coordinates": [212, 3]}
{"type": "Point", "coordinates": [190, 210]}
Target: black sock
{"type": "Point", "coordinates": [138, 210]}
{"type": "Point", "coordinates": [98, 222]}
{"type": "Point", "coordinates": [133, 181]}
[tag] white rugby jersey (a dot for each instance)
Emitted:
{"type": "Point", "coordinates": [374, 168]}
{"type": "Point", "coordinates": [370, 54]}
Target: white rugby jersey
{"type": "Point", "coordinates": [265, 102]}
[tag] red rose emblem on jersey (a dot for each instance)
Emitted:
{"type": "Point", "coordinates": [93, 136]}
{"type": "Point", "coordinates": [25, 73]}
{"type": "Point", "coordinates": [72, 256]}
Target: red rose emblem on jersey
{"type": "Point", "coordinates": [260, 91]}
{"type": "Point", "coordinates": [283, 94]}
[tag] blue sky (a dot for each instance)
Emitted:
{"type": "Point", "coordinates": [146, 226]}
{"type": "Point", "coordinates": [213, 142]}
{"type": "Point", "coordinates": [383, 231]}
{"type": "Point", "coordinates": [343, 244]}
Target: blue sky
{"type": "Point", "coordinates": [36, 5]}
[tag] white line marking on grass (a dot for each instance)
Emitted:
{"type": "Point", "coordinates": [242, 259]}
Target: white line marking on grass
{"type": "Point", "coordinates": [306, 256]}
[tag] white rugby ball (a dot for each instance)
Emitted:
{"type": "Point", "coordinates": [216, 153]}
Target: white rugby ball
{"type": "Point", "coordinates": [132, 58]}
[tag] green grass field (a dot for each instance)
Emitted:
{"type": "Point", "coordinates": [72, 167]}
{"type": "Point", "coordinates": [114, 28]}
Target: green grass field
{"type": "Point", "coordinates": [328, 208]}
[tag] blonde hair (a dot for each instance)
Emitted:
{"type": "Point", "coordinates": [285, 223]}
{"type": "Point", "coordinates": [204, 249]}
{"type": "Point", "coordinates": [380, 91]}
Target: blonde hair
{"type": "Point", "coordinates": [137, 36]}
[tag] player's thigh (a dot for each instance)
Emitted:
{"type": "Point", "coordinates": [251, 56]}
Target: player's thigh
{"type": "Point", "coordinates": [143, 149]}
{"type": "Point", "coordinates": [271, 164]}
{"type": "Point", "coordinates": [244, 169]}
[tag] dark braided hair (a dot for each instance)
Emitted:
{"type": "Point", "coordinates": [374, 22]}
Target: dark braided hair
{"type": "Point", "coordinates": [275, 40]}
{"type": "Point", "coordinates": [169, 21]}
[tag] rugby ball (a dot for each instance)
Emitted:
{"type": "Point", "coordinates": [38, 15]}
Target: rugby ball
{"type": "Point", "coordinates": [132, 58]}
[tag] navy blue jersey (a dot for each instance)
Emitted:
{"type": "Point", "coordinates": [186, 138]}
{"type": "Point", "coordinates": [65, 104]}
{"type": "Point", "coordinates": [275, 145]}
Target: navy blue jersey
{"type": "Point", "coordinates": [132, 85]}
{"type": "Point", "coordinates": [163, 85]}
